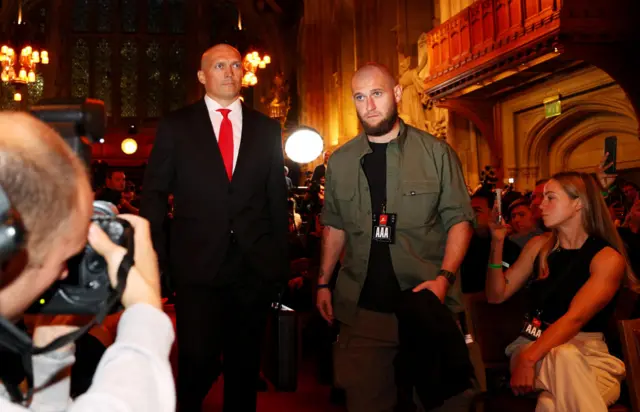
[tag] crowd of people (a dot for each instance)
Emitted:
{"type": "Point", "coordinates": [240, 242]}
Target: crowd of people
{"type": "Point", "coordinates": [379, 245]}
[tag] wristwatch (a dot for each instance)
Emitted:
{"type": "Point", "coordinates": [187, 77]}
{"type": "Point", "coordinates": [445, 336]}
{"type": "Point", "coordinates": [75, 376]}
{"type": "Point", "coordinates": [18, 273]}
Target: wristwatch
{"type": "Point", "coordinates": [450, 276]}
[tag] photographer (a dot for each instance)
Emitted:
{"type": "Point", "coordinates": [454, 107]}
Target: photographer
{"type": "Point", "coordinates": [48, 186]}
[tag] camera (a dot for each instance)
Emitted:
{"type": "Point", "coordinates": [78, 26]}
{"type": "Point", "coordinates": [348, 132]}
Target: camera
{"type": "Point", "coordinates": [86, 289]}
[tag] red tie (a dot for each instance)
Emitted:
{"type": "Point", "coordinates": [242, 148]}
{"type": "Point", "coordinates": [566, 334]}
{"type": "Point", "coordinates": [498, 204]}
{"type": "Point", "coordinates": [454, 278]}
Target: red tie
{"type": "Point", "coordinates": [225, 141]}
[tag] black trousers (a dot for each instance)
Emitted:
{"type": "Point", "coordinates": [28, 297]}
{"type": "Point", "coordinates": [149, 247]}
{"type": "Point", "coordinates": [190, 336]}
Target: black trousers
{"type": "Point", "coordinates": [220, 328]}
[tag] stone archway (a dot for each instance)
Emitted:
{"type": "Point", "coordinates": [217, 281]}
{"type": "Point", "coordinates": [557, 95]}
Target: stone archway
{"type": "Point", "coordinates": [575, 139]}
{"type": "Point", "coordinates": [582, 145]}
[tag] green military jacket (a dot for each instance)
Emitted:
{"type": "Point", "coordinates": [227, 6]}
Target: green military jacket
{"type": "Point", "coordinates": [425, 187]}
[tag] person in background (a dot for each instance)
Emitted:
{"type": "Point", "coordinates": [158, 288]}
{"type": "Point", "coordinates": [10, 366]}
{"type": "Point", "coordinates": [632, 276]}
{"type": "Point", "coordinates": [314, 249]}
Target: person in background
{"type": "Point", "coordinates": [522, 222]}
{"type": "Point", "coordinates": [115, 182]}
{"type": "Point", "coordinates": [288, 179]}
{"type": "Point", "coordinates": [631, 193]}
{"type": "Point", "coordinates": [472, 270]}
{"type": "Point", "coordinates": [130, 202]}
{"type": "Point", "coordinates": [630, 234]}
{"type": "Point", "coordinates": [320, 170]}
{"type": "Point", "coordinates": [575, 272]}
{"type": "Point", "coordinates": [114, 192]}
{"type": "Point", "coordinates": [536, 199]}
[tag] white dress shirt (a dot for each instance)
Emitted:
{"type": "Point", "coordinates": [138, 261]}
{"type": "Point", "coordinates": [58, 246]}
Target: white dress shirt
{"type": "Point", "coordinates": [134, 374]}
{"type": "Point", "coordinates": [236, 122]}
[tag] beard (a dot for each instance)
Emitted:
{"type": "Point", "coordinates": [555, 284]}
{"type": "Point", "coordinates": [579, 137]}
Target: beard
{"type": "Point", "coordinates": [383, 127]}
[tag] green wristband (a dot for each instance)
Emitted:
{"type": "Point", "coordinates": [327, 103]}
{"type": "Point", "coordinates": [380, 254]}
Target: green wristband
{"type": "Point", "coordinates": [494, 266]}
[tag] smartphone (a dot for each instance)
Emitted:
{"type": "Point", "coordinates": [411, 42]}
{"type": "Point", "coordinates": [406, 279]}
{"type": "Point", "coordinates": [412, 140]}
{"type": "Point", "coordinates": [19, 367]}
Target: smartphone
{"type": "Point", "coordinates": [611, 147]}
{"type": "Point", "coordinates": [498, 206]}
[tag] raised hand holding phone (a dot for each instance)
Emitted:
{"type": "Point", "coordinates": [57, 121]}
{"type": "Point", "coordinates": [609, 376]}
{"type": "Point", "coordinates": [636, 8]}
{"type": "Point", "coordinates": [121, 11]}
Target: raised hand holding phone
{"type": "Point", "coordinates": [499, 229]}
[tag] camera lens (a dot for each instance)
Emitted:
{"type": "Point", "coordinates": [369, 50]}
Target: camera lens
{"type": "Point", "coordinates": [115, 230]}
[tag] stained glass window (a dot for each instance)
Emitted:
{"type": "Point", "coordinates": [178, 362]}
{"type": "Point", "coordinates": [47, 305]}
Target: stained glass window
{"type": "Point", "coordinates": [80, 69]}
{"type": "Point", "coordinates": [154, 16]}
{"type": "Point", "coordinates": [176, 13]}
{"type": "Point", "coordinates": [102, 73]}
{"type": "Point", "coordinates": [154, 80]}
{"type": "Point", "coordinates": [35, 90]}
{"type": "Point", "coordinates": [129, 78]}
{"type": "Point", "coordinates": [6, 97]}
{"type": "Point", "coordinates": [177, 86]}
{"type": "Point", "coordinates": [129, 15]}
{"type": "Point", "coordinates": [104, 15]}
{"type": "Point", "coordinates": [150, 71]}
{"type": "Point", "coordinates": [81, 15]}
{"type": "Point", "coordinates": [43, 18]}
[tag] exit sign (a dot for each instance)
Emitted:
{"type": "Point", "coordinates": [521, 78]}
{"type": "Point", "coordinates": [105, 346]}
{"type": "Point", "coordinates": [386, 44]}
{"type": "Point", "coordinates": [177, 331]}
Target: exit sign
{"type": "Point", "coordinates": [552, 107]}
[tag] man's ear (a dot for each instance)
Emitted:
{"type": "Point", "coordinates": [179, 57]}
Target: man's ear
{"type": "Point", "coordinates": [201, 78]}
{"type": "Point", "coordinates": [397, 93]}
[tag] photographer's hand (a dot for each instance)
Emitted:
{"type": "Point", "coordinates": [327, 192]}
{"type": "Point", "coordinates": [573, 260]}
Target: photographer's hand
{"type": "Point", "coordinates": [143, 282]}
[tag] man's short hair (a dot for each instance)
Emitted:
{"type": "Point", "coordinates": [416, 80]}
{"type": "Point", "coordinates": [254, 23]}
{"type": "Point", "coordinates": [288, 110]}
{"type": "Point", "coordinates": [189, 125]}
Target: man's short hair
{"type": "Point", "coordinates": [629, 183]}
{"type": "Point", "coordinates": [523, 201]}
{"type": "Point", "coordinates": [40, 174]}
{"type": "Point", "coordinates": [487, 195]}
{"type": "Point", "coordinates": [110, 173]}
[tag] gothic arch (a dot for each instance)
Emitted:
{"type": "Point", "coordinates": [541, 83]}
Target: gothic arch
{"type": "Point", "coordinates": [566, 145]}
{"type": "Point", "coordinates": [542, 136]}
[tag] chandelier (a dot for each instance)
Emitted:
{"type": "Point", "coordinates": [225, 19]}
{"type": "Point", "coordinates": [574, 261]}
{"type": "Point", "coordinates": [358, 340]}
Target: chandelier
{"type": "Point", "coordinates": [25, 64]}
{"type": "Point", "coordinates": [251, 63]}
{"type": "Point", "coordinates": [20, 68]}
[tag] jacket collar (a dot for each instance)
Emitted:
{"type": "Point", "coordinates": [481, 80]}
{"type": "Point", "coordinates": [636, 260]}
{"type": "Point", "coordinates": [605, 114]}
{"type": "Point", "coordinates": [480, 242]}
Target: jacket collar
{"type": "Point", "coordinates": [363, 147]}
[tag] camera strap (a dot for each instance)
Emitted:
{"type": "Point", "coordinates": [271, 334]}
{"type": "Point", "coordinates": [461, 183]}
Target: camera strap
{"type": "Point", "coordinates": [17, 341]}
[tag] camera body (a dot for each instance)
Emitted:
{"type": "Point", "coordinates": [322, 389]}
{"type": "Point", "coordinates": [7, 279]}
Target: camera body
{"type": "Point", "coordinates": [87, 288]}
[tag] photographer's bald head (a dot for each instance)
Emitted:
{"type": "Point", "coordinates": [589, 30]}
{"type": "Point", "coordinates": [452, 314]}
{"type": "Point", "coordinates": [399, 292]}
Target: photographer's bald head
{"type": "Point", "coordinates": [49, 187]}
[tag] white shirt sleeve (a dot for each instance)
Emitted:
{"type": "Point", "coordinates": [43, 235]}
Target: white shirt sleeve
{"type": "Point", "coordinates": [134, 375]}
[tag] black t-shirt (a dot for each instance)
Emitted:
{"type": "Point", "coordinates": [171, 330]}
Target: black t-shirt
{"type": "Point", "coordinates": [110, 195]}
{"type": "Point", "coordinates": [381, 288]}
{"type": "Point", "coordinates": [632, 244]}
{"type": "Point", "coordinates": [569, 270]}
{"type": "Point", "coordinates": [473, 270]}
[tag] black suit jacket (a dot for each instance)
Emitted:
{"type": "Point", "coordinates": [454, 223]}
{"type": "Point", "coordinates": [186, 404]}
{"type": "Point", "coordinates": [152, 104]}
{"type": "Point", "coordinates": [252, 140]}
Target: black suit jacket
{"type": "Point", "coordinates": [187, 162]}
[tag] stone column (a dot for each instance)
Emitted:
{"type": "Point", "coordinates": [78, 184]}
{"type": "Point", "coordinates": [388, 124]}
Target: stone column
{"type": "Point", "coordinates": [57, 74]}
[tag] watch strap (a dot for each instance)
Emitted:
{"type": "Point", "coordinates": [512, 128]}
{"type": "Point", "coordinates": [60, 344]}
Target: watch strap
{"type": "Point", "coordinates": [450, 276]}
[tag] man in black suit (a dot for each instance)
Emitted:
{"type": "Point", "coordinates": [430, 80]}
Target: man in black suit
{"type": "Point", "coordinates": [320, 170]}
{"type": "Point", "coordinates": [223, 162]}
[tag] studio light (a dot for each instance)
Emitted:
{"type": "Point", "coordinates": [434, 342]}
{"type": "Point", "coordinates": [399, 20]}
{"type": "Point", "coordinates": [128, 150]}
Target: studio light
{"type": "Point", "coordinates": [129, 146]}
{"type": "Point", "coordinates": [304, 145]}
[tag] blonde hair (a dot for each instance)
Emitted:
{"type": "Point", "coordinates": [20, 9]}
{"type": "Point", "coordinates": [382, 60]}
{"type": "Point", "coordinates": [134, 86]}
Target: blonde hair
{"type": "Point", "coordinates": [596, 220]}
{"type": "Point", "coordinates": [41, 176]}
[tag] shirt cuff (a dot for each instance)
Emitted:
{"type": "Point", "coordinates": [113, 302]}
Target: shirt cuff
{"type": "Point", "coordinates": [451, 222]}
{"type": "Point", "coordinates": [143, 325]}
{"type": "Point", "coordinates": [331, 220]}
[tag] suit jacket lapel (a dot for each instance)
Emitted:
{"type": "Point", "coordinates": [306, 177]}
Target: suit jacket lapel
{"type": "Point", "coordinates": [247, 142]}
{"type": "Point", "coordinates": [207, 142]}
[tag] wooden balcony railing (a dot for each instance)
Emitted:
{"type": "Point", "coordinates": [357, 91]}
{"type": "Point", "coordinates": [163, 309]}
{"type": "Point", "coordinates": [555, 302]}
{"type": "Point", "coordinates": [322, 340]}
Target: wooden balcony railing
{"type": "Point", "coordinates": [493, 36]}
{"type": "Point", "coordinates": [476, 38]}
